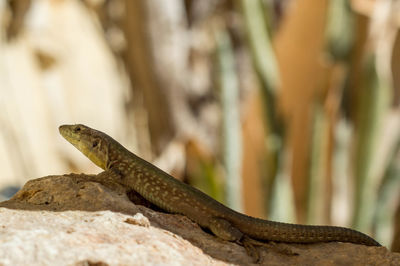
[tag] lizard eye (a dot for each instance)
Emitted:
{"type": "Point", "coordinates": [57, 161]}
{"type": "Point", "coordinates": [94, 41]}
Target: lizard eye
{"type": "Point", "coordinates": [77, 129]}
{"type": "Point", "coordinates": [95, 143]}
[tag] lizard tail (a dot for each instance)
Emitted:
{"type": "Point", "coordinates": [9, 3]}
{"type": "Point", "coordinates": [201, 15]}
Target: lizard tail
{"type": "Point", "coordinates": [296, 233]}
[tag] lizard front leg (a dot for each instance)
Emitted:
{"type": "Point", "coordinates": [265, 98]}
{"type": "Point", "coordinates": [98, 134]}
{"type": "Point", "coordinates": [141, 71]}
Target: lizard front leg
{"type": "Point", "coordinates": [112, 179]}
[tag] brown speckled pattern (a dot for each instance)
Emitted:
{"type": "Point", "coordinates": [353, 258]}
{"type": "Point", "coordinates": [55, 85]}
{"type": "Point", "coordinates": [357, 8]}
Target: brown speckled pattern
{"type": "Point", "coordinates": [175, 196]}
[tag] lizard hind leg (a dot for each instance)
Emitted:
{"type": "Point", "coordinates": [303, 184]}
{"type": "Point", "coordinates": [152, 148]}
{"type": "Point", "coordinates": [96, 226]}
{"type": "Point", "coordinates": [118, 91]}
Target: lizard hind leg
{"type": "Point", "coordinates": [226, 231]}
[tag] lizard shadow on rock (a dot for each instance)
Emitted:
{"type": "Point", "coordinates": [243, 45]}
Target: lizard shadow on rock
{"type": "Point", "coordinates": [88, 193]}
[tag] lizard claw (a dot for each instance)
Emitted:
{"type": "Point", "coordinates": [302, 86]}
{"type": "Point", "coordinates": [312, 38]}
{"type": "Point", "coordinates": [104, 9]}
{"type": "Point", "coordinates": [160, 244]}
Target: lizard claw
{"type": "Point", "coordinates": [250, 245]}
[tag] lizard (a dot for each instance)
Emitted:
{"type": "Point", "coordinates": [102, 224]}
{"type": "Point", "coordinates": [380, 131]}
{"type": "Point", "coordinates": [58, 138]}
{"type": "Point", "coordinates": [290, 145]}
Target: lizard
{"type": "Point", "coordinates": [175, 196]}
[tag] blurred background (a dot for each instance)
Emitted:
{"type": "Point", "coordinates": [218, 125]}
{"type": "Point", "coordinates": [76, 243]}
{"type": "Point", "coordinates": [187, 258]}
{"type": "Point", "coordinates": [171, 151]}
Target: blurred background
{"type": "Point", "coordinates": [286, 110]}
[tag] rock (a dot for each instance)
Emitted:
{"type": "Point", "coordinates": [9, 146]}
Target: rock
{"type": "Point", "coordinates": [61, 238]}
{"type": "Point", "coordinates": [89, 220]}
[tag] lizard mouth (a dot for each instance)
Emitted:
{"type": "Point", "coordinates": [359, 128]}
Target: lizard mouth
{"type": "Point", "coordinates": [67, 133]}
{"type": "Point", "coordinates": [86, 141]}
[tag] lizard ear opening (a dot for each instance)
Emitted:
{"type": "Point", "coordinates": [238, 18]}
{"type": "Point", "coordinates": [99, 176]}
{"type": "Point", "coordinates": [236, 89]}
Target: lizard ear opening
{"type": "Point", "coordinates": [95, 143]}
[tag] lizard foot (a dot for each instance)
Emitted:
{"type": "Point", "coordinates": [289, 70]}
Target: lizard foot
{"type": "Point", "coordinates": [250, 245]}
{"type": "Point", "coordinates": [282, 249]}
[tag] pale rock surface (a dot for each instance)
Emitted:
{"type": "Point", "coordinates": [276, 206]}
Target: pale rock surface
{"type": "Point", "coordinates": [65, 238]}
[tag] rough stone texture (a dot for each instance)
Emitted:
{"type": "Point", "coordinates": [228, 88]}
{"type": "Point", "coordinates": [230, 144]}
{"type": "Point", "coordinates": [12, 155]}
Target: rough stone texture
{"type": "Point", "coordinates": [80, 219]}
{"type": "Point", "coordinates": [51, 238]}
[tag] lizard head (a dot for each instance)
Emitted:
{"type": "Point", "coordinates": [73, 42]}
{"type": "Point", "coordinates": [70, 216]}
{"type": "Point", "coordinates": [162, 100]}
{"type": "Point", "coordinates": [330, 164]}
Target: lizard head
{"type": "Point", "coordinates": [92, 143]}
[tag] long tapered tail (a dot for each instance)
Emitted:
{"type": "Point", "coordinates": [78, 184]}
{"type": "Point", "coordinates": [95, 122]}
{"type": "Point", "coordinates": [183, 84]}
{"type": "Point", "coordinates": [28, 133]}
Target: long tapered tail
{"type": "Point", "coordinates": [296, 233]}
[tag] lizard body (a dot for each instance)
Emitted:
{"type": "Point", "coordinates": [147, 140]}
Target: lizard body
{"type": "Point", "coordinates": [174, 196]}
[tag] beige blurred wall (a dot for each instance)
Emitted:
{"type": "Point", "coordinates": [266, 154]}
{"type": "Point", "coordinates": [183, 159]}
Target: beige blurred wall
{"type": "Point", "coordinates": [57, 70]}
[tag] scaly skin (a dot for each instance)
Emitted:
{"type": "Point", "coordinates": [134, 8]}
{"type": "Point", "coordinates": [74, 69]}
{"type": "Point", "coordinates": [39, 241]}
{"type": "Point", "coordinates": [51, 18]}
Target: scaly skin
{"type": "Point", "coordinates": [174, 196]}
